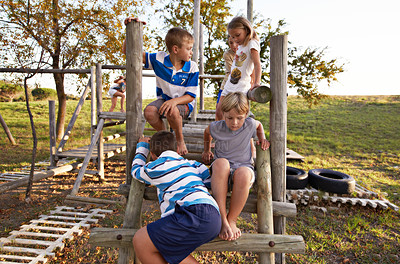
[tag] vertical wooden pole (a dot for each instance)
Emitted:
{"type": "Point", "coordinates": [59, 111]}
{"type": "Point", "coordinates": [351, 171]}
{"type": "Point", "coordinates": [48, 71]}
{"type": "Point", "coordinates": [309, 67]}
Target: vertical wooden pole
{"type": "Point", "coordinates": [92, 100]}
{"type": "Point", "coordinates": [99, 97]}
{"type": "Point", "coordinates": [134, 45]}
{"type": "Point", "coordinates": [52, 131]}
{"type": "Point", "coordinates": [195, 58]}
{"type": "Point", "coordinates": [250, 11]}
{"type": "Point", "coordinates": [264, 200]}
{"type": "Point", "coordinates": [278, 126]}
{"type": "Point", "coordinates": [201, 66]}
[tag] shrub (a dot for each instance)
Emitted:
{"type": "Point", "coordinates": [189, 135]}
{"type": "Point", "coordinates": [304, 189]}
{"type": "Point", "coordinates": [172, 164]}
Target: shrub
{"type": "Point", "coordinates": [43, 94]}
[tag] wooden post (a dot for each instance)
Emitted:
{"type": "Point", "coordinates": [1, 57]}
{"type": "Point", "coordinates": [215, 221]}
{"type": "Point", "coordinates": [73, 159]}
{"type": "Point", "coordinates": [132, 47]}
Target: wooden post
{"type": "Point", "coordinates": [92, 101]}
{"type": "Point", "coordinates": [9, 135]}
{"type": "Point", "coordinates": [195, 57]}
{"type": "Point", "coordinates": [201, 66]}
{"type": "Point", "coordinates": [100, 146]}
{"type": "Point", "coordinates": [278, 126]}
{"type": "Point", "coordinates": [52, 131]}
{"type": "Point", "coordinates": [134, 51]}
{"type": "Point", "coordinates": [250, 11]}
{"type": "Point", "coordinates": [264, 201]}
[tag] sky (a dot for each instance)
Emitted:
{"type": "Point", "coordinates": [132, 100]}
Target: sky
{"type": "Point", "coordinates": [363, 34]}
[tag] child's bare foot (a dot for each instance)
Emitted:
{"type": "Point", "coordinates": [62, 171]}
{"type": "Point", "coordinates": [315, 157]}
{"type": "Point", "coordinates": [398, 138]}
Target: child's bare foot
{"type": "Point", "coordinates": [236, 233]}
{"type": "Point", "coordinates": [181, 148]}
{"type": "Point", "coordinates": [226, 231]}
{"type": "Point", "coordinates": [122, 110]}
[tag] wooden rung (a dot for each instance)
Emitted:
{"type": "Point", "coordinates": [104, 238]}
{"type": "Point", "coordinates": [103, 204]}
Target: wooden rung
{"type": "Point", "coordinates": [279, 208]}
{"type": "Point", "coordinates": [111, 137]}
{"type": "Point", "coordinates": [120, 237]}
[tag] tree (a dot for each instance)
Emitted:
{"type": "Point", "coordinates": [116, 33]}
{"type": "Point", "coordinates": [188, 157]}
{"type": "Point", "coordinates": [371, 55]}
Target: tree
{"type": "Point", "coordinates": [306, 69]}
{"type": "Point", "coordinates": [74, 33]}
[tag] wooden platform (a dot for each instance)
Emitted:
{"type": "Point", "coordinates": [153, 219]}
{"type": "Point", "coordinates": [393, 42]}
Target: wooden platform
{"type": "Point", "coordinates": [109, 151]}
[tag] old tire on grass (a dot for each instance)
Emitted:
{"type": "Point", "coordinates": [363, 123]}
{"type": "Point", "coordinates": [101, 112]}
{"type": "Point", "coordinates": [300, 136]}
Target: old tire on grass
{"type": "Point", "coordinates": [296, 178]}
{"type": "Point", "coordinates": [331, 181]}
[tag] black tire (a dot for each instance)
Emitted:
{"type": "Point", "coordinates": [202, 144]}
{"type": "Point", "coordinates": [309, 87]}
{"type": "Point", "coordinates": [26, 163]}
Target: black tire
{"type": "Point", "coordinates": [331, 181]}
{"type": "Point", "coordinates": [296, 178]}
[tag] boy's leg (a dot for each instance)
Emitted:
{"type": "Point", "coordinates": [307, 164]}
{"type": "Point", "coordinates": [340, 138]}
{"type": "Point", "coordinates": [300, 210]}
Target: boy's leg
{"type": "Point", "coordinates": [175, 121]}
{"type": "Point", "coordinates": [240, 191]}
{"type": "Point", "coordinates": [145, 250]}
{"type": "Point", "coordinates": [219, 186]}
{"type": "Point", "coordinates": [153, 117]}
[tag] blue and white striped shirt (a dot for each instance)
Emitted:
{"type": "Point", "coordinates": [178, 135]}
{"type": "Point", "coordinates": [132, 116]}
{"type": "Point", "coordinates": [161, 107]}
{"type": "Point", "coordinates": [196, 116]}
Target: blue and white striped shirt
{"type": "Point", "coordinates": [178, 180]}
{"type": "Point", "coordinates": [170, 82]}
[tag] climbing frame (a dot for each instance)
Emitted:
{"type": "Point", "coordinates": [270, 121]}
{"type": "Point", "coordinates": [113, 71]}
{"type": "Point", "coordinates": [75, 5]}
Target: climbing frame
{"type": "Point", "coordinates": [265, 242]}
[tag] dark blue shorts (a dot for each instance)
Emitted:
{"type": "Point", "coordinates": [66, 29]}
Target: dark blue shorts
{"type": "Point", "coordinates": [179, 234]}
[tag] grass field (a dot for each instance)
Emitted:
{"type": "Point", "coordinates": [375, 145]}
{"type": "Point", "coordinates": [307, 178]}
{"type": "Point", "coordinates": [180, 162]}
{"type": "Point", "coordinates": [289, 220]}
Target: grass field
{"type": "Point", "coordinates": [357, 135]}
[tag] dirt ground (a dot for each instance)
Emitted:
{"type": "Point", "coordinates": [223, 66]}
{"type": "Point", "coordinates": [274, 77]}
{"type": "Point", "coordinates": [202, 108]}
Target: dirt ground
{"type": "Point", "coordinates": [51, 192]}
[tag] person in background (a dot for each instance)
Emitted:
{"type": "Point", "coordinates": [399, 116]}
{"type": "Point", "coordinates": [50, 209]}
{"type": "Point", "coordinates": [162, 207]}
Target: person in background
{"type": "Point", "coordinates": [117, 90]}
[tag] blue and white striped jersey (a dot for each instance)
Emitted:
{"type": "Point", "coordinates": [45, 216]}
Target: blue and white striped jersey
{"type": "Point", "coordinates": [178, 180]}
{"type": "Point", "coordinates": [171, 83]}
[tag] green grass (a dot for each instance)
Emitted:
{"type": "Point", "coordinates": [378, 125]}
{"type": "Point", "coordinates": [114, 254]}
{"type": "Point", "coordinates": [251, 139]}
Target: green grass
{"type": "Point", "coordinates": [357, 135]}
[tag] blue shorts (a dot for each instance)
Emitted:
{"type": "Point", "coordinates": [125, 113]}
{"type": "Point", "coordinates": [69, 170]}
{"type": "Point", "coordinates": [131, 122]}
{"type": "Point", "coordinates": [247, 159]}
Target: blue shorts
{"type": "Point", "coordinates": [177, 235]}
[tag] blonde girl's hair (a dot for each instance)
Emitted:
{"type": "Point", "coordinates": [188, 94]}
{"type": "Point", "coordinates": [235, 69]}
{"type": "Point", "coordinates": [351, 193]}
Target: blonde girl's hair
{"type": "Point", "coordinates": [241, 22]}
{"type": "Point", "coordinates": [177, 36]}
{"type": "Point", "coordinates": [237, 101]}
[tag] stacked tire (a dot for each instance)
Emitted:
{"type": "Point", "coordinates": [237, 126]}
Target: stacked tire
{"type": "Point", "coordinates": [331, 181]}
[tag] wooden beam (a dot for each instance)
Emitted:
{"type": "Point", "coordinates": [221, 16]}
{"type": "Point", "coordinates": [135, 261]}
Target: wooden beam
{"type": "Point", "coordinates": [122, 238]}
{"type": "Point", "coordinates": [37, 177]}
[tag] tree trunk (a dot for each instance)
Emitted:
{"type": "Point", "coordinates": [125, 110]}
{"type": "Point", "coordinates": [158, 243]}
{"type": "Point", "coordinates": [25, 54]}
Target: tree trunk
{"type": "Point", "coordinates": [32, 171]}
{"type": "Point", "coordinates": [62, 104]}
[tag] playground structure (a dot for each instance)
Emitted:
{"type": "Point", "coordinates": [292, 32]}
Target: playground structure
{"type": "Point", "coordinates": [269, 202]}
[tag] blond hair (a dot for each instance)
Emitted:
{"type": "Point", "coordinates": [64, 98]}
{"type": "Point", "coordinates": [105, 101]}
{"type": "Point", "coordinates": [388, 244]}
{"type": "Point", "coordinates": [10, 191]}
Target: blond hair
{"type": "Point", "coordinates": [237, 101]}
{"type": "Point", "coordinates": [177, 36]}
{"type": "Point", "coordinates": [241, 22]}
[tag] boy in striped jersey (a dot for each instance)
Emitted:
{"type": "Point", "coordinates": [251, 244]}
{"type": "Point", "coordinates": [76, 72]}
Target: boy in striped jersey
{"type": "Point", "coordinates": [189, 215]}
{"type": "Point", "coordinates": [177, 79]}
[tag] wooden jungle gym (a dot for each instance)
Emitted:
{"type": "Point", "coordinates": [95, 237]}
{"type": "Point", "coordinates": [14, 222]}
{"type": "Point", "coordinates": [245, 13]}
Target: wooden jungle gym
{"type": "Point", "coordinates": [269, 203]}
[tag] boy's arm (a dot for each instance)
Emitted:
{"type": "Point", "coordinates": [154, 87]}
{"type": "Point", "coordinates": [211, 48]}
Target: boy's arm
{"type": "Point", "coordinates": [261, 136]}
{"type": "Point", "coordinates": [255, 57]}
{"type": "Point", "coordinates": [207, 154]}
{"type": "Point", "coordinates": [139, 161]}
